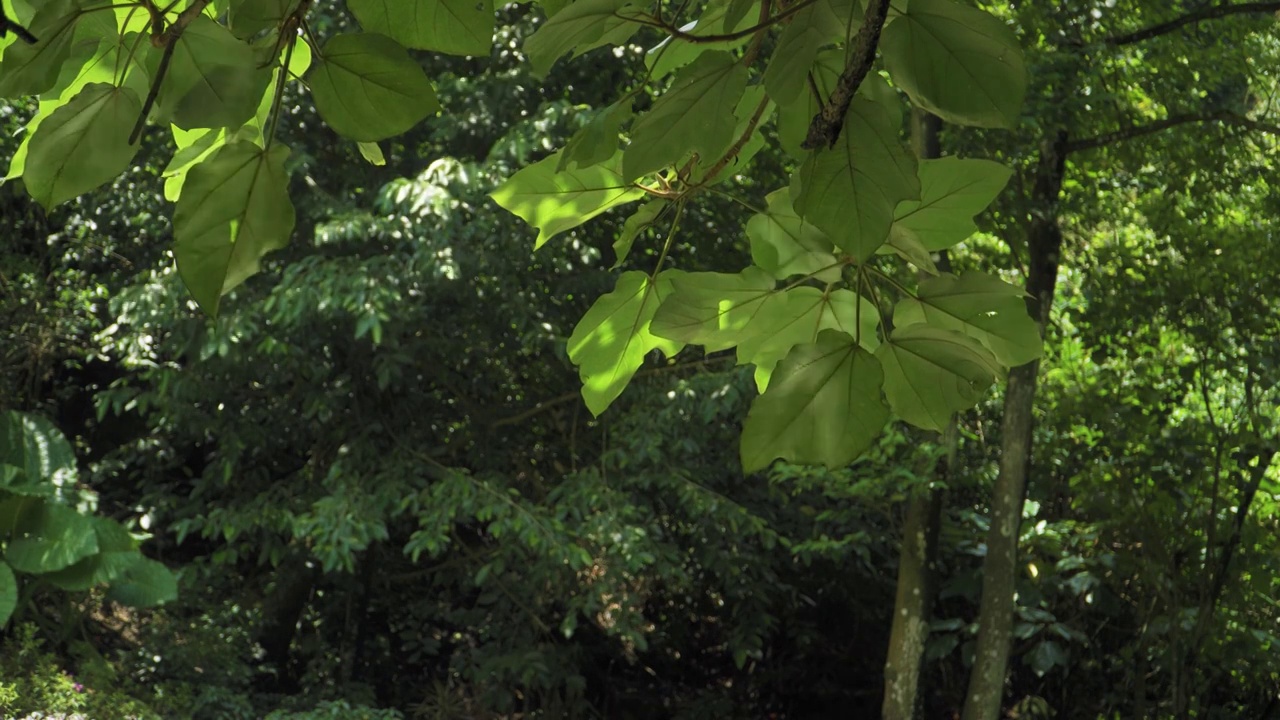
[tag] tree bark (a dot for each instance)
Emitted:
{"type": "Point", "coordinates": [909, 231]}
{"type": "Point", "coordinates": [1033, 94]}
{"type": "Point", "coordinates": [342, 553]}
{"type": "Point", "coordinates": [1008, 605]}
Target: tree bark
{"type": "Point", "coordinates": [918, 557]}
{"type": "Point", "coordinates": [999, 567]}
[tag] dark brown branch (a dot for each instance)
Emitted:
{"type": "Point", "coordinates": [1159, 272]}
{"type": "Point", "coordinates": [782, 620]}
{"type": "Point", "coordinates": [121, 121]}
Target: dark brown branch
{"type": "Point", "coordinates": [9, 26]}
{"type": "Point", "coordinates": [168, 39]}
{"type": "Point", "coordinates": [675, 32]}
{"type": "Point", "coordinates": [1138, 131]}
{"type": "Point", "coordinates": [826, 125]}
{"type": "Point", "coordinates": [1212, 12]}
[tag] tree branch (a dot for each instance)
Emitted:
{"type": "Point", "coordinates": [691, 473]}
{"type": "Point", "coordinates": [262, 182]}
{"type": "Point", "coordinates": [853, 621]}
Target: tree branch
{"type": "Point", "coordinates": [827, 124]}
{"type": "Point", "coordinates": [1211, 12]}
{"type": "Point", "coordinates": [1137, 131]}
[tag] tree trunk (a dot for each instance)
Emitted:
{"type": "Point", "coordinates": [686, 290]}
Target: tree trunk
{"type": "Point", "coordinates": [917, 559]}
{"type": "Point", "coordinates": [999, 568]}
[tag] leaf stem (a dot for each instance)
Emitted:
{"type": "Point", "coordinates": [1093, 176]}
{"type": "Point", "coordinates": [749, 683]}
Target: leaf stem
{"type": "Point", "coordinates": [666, 246]}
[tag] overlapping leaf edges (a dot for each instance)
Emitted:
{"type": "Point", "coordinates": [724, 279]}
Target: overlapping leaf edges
{"type": "Point", "coordinates": [43, 535]}
{"type": "Point", "coordinates": [213, 72]}
{"type": "Point", "coordinates": [834, 356]}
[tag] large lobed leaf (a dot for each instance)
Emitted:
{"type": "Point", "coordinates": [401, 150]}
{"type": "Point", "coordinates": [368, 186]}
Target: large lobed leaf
{"type": "Point", "coordinates": [610, 342]}
{"type": "Point", "coordinates": [554, 201]}
{"type": "Point", "coordinates": [234, 209]}
{"type": "Point", "coordinates": [367, 88]}
{"type": "Point", "coordinates": [823, 407]}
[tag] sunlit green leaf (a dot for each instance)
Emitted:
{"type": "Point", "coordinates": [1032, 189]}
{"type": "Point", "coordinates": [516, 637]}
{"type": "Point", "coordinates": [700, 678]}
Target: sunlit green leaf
{"type": "Point", "coordinates": [82, 145]}
{"type": "Point", "coordinates": [367, 88]}
{"type": "Point", "coordinates": [234, 209]}
{"type": "Point", "coordinates": [850, 190]}
{"type": "Point", "coordinates": [372, 153]}
{"type": "Point", "coordinates": [554, 201]}
{"type": "Point", "coordinates": [213, 80]}
{"type": "Point", "coordinates": [117, 553]}
{"type": "Point", "coordinates": [675, 52]}
{"type": "Point", "coordinates": [713, 309]}
{"type": "Point", "coordinates": [579, 27]}
{"type": "Point", "coordinates": [597, 141]}
{"type": "Point", "coordinates": [458, 27]}
{"type": "Point", "coordinates": [696, 115]}
{"type": "Point", "coordinates": [952, 191]}
{"type": "Point", "coordinates": [797, 317]}
{"type": "Point", "coordinates": [980, 306]}
{"type": "Point", "coordinates": [957, 62]}
{"type": "Point", "coordinates": [631, 229]}
{"type": "Point", "coordinates": [785, 244]}
{"type": "Point", "coordinates": [823, 407]}
{"type": "Point", "coordinates": [48, 537]}
{"type": "Point", "coordinates": [611, 341]}
{"type": "Point", "coordinates": [931, 373]}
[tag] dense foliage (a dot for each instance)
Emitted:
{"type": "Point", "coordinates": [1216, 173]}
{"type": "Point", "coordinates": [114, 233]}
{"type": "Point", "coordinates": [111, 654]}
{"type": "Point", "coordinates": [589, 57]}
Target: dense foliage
{"type": "Point", "coordinates": [381, 481]}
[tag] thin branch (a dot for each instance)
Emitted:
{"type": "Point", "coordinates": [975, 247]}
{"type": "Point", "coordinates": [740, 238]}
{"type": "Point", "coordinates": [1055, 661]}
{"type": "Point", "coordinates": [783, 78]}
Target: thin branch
{"type": "Point", "coordinates": [677, 33]}
{"type": "Point", "coordinates": [1211, 12]}
{"type": "Point", "coordinates": [827, 124]}
{"type": "Point", "coordinates": [737, 146]}
{"type": "Point", "coordinates": [1137, 131]}
{"type": "Point", "coordinates": [169, 40]}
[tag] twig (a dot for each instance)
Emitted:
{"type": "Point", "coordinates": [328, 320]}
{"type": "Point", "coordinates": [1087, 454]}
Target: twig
{"type": "Point", "coordinates": [826, 125]}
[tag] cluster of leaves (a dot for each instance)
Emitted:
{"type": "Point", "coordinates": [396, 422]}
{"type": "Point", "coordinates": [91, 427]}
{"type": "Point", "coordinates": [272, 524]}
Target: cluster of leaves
{"type": "Point", "coordinates": [46, 529]}
{"type": "Point", "coordinates": [834, 355]}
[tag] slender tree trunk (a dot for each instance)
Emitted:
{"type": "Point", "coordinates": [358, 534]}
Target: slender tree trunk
{"type": "Point", "coordinates": [999, 568]}
{"type": "Point", "coordinates": [918, 557]}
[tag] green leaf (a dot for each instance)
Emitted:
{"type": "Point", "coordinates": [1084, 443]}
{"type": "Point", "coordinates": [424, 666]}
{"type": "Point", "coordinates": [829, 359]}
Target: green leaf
{"type": "Point", "coordinates": [35, 457]}
{"type": "Point", "coordinates": [457, 27]}
{"type": "Point", "coordinates": [952, 191]}
{"type": "Point", "coordinates": [147, 583]}
{"type": "Point", "coordinates": [610, 342]}
{"type": "Point", "coordinates": [582, 26]}
{"type": "Point", "coordinates": [117, 553]}
{"type": "Point", "coordinates": [631, 229]}
{"type": "Point", "coordinates": [931, 373]}
{"type": "Point", "coordinates": [850, 191]}
{"type": "Point", "coordinates": [796, 318]}
{"type": "Point", "coordinates": [985, 308]}
{"type": "Point", "coordinates": [823, 407]}
{"type": "Point", "coordinates": [713, 309]}
{"type": "Point", "coordinates": [234, 209]}
{"type": "Point", "coordinates": [31, 69]}
{"type": "Point", "coordinates": [247, 18]}
{"type": "Point", "coordinates": [908, 247]}
{"type": "Point", "coordinates": [695, 115]}
{"type": "Point", "coordinates": [372, 153]}
{"type": "Point", "coordinates": [821, 23]}
{"type": "Point", "coordinates": [957, 62]}
{"type": "Point", "coordinates": [367, 88]}
{"type": "Point", "coordinates": [213, 79]}
{"type": "Point", "coordinates": [194, 146]}
{"type": "Point", "coordinates": [674, 52]}
{"type": "Point", "coordinates": [597, 141]}
{"type": "Point", "coordinates": [82, 145]}
{"type": "Point", "coordinates": [49, 537]}
{"type": "Point", "coordinates": [784, 244]}
{"type": "Point", "coordinates": [554, 201]}
{"type": "Point", "coordinates": [8, 593]}
{"type": "Point", "coordinates": [1045, 656]}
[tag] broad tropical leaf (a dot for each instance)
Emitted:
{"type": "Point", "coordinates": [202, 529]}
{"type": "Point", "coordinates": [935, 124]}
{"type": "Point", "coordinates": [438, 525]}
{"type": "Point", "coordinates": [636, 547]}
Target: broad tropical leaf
{"type": "Point", "coordinates": [583, 25]}
{"type": "Point", "coordinates": [213, 79]}
{"type": "Point", "coordinates": [8, 593]}
{"type": "Point", "coordinates": [714, 309]}
{"type": "Point", "coordinates": [82, 145]}
{"type": "Point", "coordinates": [850, 191]}
{"type": "Point", "coordinates": [797, 317]}
{"type": "Point", "coordinates": [784, 244]}
{"type": "Point", "coordinates": [631, 229]}
{"type": "Point", "coordinates": [695, 116]}
{"type": "Point", "coordinates": [931, 373]}
{"type": "Point", "coordinates": [146, 583]}
{"type": "Point", "coordinates": [821, 23]}
{"type": "Point", "coordinates": [35, 457]}
{"type": "Point", "coordinates": [823, 407]}
{"type": "Point", "coordinates": [597, 141]}
{"type": "Point", "coordinates": [985, 308]}
{"type": "Point", "coordinates": [554, 201]}
{"type": "Point", "coordinates": [250, 17]}
{"type": "Point", "coordinates": [117, 553]}
{"type": "Point", "coordinates": [957, 62]}
{"type": "Point", "coordinates": [367, 88]}
{"type": "Point", "coordinates": [610, 342]}
{"type": "Point", "coordinates": [47, 536]}
{"type": "Point", "coordinates": [952, 192]}
{"type": "Point", "coordinates": [458, 27]}
{"type": "Point", "coordinates": [234, 209]}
